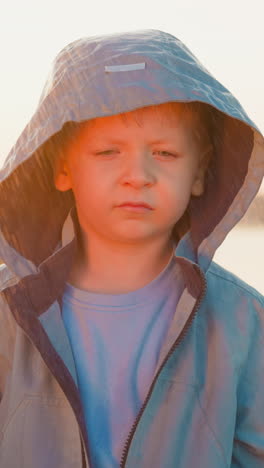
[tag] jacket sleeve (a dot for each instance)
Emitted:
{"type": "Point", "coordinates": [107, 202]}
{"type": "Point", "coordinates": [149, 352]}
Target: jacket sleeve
{"type": "Point", "coordinates": [248, 447]}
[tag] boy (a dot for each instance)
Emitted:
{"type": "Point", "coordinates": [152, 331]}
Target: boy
{"type": "Point", "coordinates": [123, 343]}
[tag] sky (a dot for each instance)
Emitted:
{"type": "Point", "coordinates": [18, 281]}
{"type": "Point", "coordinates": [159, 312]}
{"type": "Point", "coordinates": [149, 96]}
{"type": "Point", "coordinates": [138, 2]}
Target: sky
{"type": "Point", "coordinates": [227, 37]}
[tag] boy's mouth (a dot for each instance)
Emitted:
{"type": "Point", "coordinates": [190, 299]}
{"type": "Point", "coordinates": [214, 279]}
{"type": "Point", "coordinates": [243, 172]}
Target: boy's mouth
{"type": "Point", "coordinates": [135, 205]}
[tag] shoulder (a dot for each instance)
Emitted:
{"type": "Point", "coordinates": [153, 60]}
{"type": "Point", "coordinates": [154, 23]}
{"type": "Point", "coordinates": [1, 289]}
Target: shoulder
{"type": "Point", "coordinates": [224, 280]}
{"type": "Point", "coordinates": [233, 302]}
{"type": "Point", "coordinates": [235, 310]}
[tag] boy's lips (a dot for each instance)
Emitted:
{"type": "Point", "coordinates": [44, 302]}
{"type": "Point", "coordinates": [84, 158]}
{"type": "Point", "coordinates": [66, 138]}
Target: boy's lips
{"type": "Point", "coordinates": [137, 204]}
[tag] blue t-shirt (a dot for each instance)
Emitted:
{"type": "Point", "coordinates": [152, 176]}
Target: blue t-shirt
{"type": "Point", "coordinates": [116, 340]}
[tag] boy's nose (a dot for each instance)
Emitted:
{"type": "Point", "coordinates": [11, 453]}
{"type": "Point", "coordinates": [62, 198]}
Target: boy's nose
{"type": "Point", "coordinates": [138, 170]}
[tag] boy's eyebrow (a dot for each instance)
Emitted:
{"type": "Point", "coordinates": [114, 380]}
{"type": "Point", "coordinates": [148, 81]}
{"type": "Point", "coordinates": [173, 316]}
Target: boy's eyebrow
{"type": "Point", "coordinates": [115, 141]}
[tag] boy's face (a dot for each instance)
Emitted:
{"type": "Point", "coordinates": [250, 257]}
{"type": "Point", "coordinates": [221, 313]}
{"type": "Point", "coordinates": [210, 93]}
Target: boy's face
{"type": "Point", "coordinates": [149, 156]}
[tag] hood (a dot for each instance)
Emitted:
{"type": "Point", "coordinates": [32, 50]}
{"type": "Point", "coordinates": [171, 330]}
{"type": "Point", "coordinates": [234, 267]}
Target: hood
{"type": "Point", "coordinates": [104, 75]}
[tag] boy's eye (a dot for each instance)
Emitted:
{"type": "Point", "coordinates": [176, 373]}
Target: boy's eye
{"type": "Point", "coordinates": [107, 152]}
{"type": "Point", "coordinates": [166, 153]}
{"type": "Point", "coordinates": [112, 151]}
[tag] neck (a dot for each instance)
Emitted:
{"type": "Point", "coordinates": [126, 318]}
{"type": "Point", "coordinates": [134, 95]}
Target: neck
{"type": "Point", "coordinates": [113, 268]}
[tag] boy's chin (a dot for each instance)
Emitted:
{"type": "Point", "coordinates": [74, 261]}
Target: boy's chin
{"type": "Point", "coordinates": [137, 236]}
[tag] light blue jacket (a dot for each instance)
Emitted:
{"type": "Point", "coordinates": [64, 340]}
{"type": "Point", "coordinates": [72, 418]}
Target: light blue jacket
{"type": "Point", "coordinates": [205, 407]}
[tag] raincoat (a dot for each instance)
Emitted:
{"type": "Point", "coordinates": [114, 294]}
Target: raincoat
{"type": "Point", "coordinates": [205, 406]}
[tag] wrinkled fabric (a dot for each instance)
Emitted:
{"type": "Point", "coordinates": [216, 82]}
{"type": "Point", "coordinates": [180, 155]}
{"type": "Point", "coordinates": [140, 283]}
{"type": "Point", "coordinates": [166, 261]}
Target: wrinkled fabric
{"type": "Point", "coordinates": [205, 406]}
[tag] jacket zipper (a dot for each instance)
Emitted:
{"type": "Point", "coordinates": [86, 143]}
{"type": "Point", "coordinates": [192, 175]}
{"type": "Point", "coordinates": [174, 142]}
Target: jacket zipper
{"type": "Point", "coordinates": [175, 344]}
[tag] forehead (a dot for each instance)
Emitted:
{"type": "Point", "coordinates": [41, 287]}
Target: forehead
{"type": "Point", "coordinates": [164, 116]}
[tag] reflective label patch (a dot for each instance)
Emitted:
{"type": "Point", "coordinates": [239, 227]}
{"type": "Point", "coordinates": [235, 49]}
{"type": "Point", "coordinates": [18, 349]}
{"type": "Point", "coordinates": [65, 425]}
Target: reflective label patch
{"type": "Point", "coordinates": [120, 68]}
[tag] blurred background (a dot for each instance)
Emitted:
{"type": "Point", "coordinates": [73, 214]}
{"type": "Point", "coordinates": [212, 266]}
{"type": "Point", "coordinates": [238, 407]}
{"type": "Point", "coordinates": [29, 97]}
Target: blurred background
{"type": "Point", "coordinates": [227, 37]}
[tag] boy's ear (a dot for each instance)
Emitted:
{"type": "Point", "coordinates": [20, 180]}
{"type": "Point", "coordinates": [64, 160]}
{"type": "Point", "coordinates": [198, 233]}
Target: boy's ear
{"type": "Point", "coordinates": [62, 179]}
{"type": "Point", "coordinates": [198, 184]}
